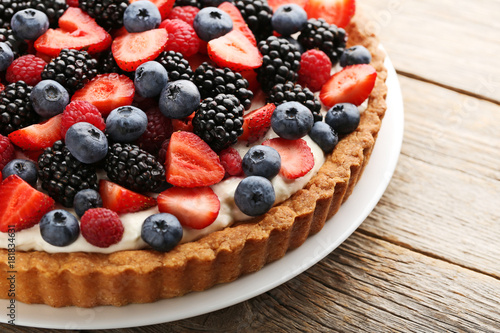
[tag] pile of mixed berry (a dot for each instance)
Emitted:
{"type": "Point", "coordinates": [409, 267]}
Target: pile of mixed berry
{"type": "Point", "coordinates": [105, 107]}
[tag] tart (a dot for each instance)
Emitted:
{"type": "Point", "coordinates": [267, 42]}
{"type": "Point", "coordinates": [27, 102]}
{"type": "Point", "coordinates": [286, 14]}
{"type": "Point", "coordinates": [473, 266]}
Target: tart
{"type": "Point", "coordinates": [143, 276]}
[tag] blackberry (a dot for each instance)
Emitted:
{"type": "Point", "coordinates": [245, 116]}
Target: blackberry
{"type": "Point", "coordinates": [107, 13]}
{"type": "Point", "coordinates": [8, 8]}
{"type": "Point", "coordinates": [212, 81]}
{"type": "Point", "coordinates": [290, 92]}
{"type": "Point", "coordinates": [16, 44]}
{"type": "Point", "coordinates": [72, 69]}
{"type": "Point", "coordinates": [219, 121]}
{"type": "Point", "coordinates": [62, 175]}
{"type": "Point", "coordinates": [177, 67]}
{"type": "Point", "coordinates": [324, 36]}
{"type": "Point", "coordinates": [16, 110]}
{"type": "Point", "coordinates": [280, 63]}
{"type": "Point", "coordinates": [53, 8]}
{"type": "Point", "coordinates": [181, 3]}
{"type": "Point", "coordinates": [134, 168]}
{"type": "Point", "coordinates": [257, 15]}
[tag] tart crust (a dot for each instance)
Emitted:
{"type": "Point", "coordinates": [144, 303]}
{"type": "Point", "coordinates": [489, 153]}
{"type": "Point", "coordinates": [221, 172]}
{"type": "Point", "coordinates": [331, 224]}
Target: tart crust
{"type": "Point", "coordinates": [143, 276]}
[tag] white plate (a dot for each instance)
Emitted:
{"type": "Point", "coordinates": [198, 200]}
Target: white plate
{"type": "Point", "coordinates": [353, 212]}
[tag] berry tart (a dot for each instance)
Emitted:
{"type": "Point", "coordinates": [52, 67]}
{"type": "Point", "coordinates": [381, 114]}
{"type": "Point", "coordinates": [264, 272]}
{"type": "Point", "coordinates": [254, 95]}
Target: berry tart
{"type": "Point", "coordinates": [152, 149]}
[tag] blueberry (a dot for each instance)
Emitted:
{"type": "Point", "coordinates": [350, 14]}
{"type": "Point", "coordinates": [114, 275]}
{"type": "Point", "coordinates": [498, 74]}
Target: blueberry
{"type": "Point", "coordinates": [355, 55]}
{"type": "Point", "coordinates": [49, 98]}
{"type": "Point", "coordinates": [86, 143]}
{"type": "Point", "coordinates": [179, 99]}
{"type": "Point", "coordinates": [292, 120]}
{"type": "Point", "coordinates": [6, 56]}
{"type": "Point", "coordinates": [150, 79]}
{"type": "Point", "coordinates": [211, 23]}
{"type": "Point", "coordinates": [23, 168]}
{"type": "Point", "coordinates": [261, 161]}
{"type": "Point", "coordinates": [343, 118]}
{"type": "Point", "coordinates": [126, 123]}
{"type": "Point", "coordinates": [29, 23]}
{"type": "Point", "coordinates": [85, 200]}
{"type": "Point", "coordinates": [59, 228]}
{"type": "Point", "coordinates": [162, 231]}
{"type": "Point", "coordinates": [141, 16]}
{"type": "Point", "coordinates": [295, 43]}
{"type": "Point", "coordinates": [254, 195]}
{"type": "Point", "coordinates": [324, 135]}
{"type": "Point", "coordinates": [289, 19]}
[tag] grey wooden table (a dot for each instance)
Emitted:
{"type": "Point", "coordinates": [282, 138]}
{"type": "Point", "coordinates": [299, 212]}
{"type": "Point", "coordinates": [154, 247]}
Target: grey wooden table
{"type": "Point", "coordinates": [427, 259]}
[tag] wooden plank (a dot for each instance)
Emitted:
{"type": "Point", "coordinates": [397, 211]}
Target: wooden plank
{"type": "Point", "coordinates": [454, 43]}
{"type": "Point", "coordinates": [444, 198]}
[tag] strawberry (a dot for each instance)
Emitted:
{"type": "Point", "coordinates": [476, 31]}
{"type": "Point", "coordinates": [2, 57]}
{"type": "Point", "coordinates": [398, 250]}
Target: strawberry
{"type": "Point", "coordinates": [101, 227]}
{"type": "Point", "coordinates": [164, 6]}
{"type": "Point", "coordinates": [38, 136]}
{"type": "Point", "coordinates": [235, 51]}
{"type": "Point", "coordinates": [107, 92]}
{"type": "Point", "coordinates": [231, 161]}
{"type": "Point", "coordinates": [251, 77]}
{"type": "Point", "coordinates": [21, 206]}
{"type": "Point", "coordinates": [130, 50]}
{"type": "Point", "coordinates": [338, 12]}
{"type": "Point", "coordinates": [195, 208]}
{"type": "Point", "coordinates": [184, 124]}
{"type": "Point", "coordinates": [77, 30]}
{"type": "Point", "coordinates": [190, 162]}
{"type": "Point", "coordinates": [274, 4]}
{"type": "Point", "coordinates": [121, 200]}
{"type": "Point", "coordinates": [257, 123]}
{"type": "Point", "coordinates": [238, 21]}
{"type": "Point", "coordinates": [353, 84]}
{"type": "Point", "coordinates": [297, 158]}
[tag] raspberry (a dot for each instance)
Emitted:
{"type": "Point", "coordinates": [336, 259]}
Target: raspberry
{"type": "Point", "coordinates": [314, 69]}
{"type": "Point", "coordinates": [101, 227]}
{"type": "Point", "coordinates": [181, 37]}
{"type": "Point", "coordinates": [2, 87]}
{"type": "Point", "coordinates": [186, 14]}
{"type": "Point", "coordinates": [78, 111]}
{"type": "Point", "coordinates": [231, 161]}
{"type": "Point", "coordinates": [27, 68]}
{"type": "Point", "coordinates": [6, 151]}
{"type": "Point", "coordinates": [159, 129]}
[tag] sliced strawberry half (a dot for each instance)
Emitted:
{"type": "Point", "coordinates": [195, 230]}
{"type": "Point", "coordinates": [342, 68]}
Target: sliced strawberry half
{"type": "Point", "coordinates": [121, 200]}
{"type": "Point", "coordinates": [338, 12]}
{"type": "Point", "coordinates": [274, 4]}
{"type": "Point", "coordinates": [38, 136]}
{"type": "Point", "coordinates": [257, 123]}
{"type": "Point", "coordinates": [190, 162]}
{"type": "Point", "coordinates": [238, 21]}
{"type": "Point", "coordinates": [77, 30]}
{"type": "Point", "coordinates": [164, 6]}
{"type": "Point", "coordinates": [107, 92]}
{"type": "Point", "coordinates": [21, 206]}
{"type": "Point", "coordinates": [297, 158]}
{"type": "Point", "coordinates": [235, 51]}
{"type": "Point", "coordinates": [130, 50]}
{"type": "Point", "coordinates": [195, 208]}
{"type": "Point", "coordinates": [353, 85]}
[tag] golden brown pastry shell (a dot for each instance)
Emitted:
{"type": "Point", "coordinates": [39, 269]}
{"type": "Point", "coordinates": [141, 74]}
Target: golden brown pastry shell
{"type": "Point", "coordinates": [142, 276]}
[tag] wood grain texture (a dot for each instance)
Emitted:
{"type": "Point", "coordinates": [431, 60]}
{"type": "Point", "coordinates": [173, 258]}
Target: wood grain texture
{"type": "Point", "coordinates": [426, 259]}
{"type": "Point", "coordinates": [453, 43]}
{"type": "Point", "coordinates": [444, 197]}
